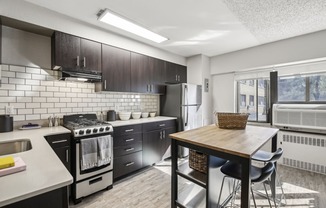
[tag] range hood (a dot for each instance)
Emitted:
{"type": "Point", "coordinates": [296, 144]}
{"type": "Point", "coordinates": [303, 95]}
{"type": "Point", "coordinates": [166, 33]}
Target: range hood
{"type": "Point", "coordinates": [80, 76]}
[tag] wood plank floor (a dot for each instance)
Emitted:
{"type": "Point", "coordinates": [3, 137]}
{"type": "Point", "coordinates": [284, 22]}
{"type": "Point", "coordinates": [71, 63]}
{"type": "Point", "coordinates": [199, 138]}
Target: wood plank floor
{"type": "Point", "coordinates": [151, 188]}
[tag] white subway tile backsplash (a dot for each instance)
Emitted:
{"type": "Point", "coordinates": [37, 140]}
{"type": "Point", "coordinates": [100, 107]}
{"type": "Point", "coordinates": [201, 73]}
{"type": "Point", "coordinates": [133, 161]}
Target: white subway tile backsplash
{"type": "Point", "coordinates": [36, 94]}
{"type": "Point", "coordinates": [16, 68]}
{"type": "Point", "coordinates": [25, 111]}
{"type": "Point", "coordinates": [33, 70]}
{"type": "Point", "coordinates": [47, 105]}
{"type": "Point", "coordinates": [33, 117]}
{"type": "Point", "coordinates": [33, 105]}
{"type": "Point", "coordinates": [3, 92]}
{"type": "Point", "coordinates": [24, 87]}
{"type": "Point", "coordinates": [46, 94]}
{"type": "Point", "coordinates": [23, 75]}
{"type": "Point", "coordinates": [16, 81]}
{"type": "Point", "coordinates": [7, 99]}
{"type": "Point", "coordinates": [8, 74]}
{"type": "Point", "coordinates": [32, 82]}
{"type": "Point", "coordinates": [16, 93]}
{"type": "Point", "coordinates": [39, 99]}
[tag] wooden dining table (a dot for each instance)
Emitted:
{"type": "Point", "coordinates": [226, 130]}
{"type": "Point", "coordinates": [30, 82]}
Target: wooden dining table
{"type": "Point", "coordinates": [230, 144]}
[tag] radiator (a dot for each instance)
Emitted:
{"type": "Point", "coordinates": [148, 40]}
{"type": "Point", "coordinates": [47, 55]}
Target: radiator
{"type": "Point", "coordinates": [303, 150]}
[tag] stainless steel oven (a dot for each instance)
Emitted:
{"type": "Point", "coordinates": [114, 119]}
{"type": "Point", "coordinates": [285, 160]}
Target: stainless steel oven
{"type": "Point", "coordinates": [100, 177]}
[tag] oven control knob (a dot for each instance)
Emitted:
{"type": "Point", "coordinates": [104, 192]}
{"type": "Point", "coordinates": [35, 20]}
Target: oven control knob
{"type": "Point", "coordinates": [107, 128]}
{"type": "Point", "coordinates": [101, 129]}
{"type": "Point", "coordinates": [94, 130]}
{"type": "Point", "coordinates": [81, 132]}
{"type": "Point", "coordinates": [88, 131]}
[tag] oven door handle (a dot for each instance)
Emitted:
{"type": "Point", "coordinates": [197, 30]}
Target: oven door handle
{"type": "Point", "coordinates": [95, 180]}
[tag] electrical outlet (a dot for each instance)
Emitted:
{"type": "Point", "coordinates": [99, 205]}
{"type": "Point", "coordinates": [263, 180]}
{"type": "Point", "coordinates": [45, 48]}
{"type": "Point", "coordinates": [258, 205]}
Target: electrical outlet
{"type": "Point", "coordinates": [9, 110]}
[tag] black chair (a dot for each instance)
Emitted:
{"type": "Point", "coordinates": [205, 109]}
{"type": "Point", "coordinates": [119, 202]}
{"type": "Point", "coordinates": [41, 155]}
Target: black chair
{"type": "Point", "coordinates": [264, 156]}
{"type": "Point", "coordinates": [257, 175]}
{"type": "Point", "coordinates": [217, 162]}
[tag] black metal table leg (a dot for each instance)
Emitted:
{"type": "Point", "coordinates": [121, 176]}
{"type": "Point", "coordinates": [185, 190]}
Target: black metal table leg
{"type": "Point", "coordinates": [245, 182]}
{"type": "Point", "coordinates": [273, 176]}
{"type": "Point", "coordinates": [174, 180]}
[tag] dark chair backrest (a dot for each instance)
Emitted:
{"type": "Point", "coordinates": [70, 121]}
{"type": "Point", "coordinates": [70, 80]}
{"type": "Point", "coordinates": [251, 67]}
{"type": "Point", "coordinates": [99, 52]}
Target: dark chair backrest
{"type": "Point", "coordinates": [277, 154]}
{"type": "Point", "coordinates": [267, 171]}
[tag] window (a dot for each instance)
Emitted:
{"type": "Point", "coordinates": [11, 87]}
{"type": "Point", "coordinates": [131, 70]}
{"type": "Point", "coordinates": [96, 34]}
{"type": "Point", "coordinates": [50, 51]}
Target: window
{"type": "Point", "coordinates": [251, 100]}
{"type": "Point", "coordinates": [298, 89]}
{"type": "Point", "coordinates": [253, 89]}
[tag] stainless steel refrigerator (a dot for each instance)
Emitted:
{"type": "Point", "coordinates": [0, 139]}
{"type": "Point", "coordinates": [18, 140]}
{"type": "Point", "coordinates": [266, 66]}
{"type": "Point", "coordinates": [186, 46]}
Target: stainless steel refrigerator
{"type": "Point", "coordinates": [184, 102]}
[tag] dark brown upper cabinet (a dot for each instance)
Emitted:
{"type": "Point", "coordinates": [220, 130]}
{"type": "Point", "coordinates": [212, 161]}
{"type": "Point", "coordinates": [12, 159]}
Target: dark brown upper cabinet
{"type": "Point", "coordinates": [147, 74]}
{"type": "Point", "coordinates": [115, 69]}
{"type": "Point", "coordinates": [139, 73]}
{"type": "Point", "coordinates": [75, 53]}
{"type": "Point", "coordinates": [175, 73]}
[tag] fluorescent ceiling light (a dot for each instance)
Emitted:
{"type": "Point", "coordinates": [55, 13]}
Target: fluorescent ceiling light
{"type": "Point", "coordinates": [110, 18]}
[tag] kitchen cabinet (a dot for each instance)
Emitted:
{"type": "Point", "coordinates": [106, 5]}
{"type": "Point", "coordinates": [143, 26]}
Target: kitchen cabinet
{"type": "Point", "coordinates": [115, 69]}
{"type": "Point", "coordinates": [75, 53]}
{"type": "Point", "coordinates": [156, 141]}
{"type": "Point", "coordinates": [60, 144]}
{"type": "Point", "coordinates": [127, 150]}
{"type": "Point", "coordinates": [147, 74]}
{"type": "Point", "coordinates": [175, 73]}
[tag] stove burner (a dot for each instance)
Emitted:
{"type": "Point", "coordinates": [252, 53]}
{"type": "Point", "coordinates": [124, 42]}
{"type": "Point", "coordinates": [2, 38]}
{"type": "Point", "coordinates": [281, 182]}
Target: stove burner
{"type": "Point", "coordinates": [86, 124]}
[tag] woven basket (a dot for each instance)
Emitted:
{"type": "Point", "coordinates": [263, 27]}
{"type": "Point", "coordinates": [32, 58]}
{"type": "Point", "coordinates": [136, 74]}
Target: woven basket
{"type": "Point", "coordinates": [231, 120]}
{"type": "Point", "coordinates": [198, 161]}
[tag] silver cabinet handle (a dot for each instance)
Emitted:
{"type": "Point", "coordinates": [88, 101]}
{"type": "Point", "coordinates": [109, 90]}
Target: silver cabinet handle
{"type": "Point", "coordinates": [77, 60]}
{"type": "Point", "coordinates": [179, 78]}
{"type": "Point", "coordinates": [160, 134]}
{"type": "Point", "coordinates": [84, 61]}
{"type": "Point", "coordinates": [151, 88]}
{"type": "Point", "coordinates": [131, 163]}
{"type": "Point", "coordinates": [147, 88]}
{"type": "Point", "coordinates": [129, 130]}
{"type": "Point", "coordinates": [67, 155]}
{"type": "Point", "coordinates": [129, 140]}
{"type": "Point", "coordinates": [59, 141]}
{"type": "Point", "coordinates": [176, 77]}
{"type": "Point", "coordinates": [161, 125]}
{"type": "Point", "coordinates": [105, 84]}
{"type": "Point", "coordinates": [129, 149]}
{"type": "Point", "coordinates": [163, 134]}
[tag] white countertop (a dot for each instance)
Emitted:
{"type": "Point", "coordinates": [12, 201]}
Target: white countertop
{"type": "Point", "coordinates": [44, 170]}
{"type": "Point", "coordinates": [140, 121]}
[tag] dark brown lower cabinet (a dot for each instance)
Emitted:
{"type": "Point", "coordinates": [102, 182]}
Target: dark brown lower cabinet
{"type": "Point", "coordinates": [53, 199]}
{"type": "Point", "coordinates": [127, 164]}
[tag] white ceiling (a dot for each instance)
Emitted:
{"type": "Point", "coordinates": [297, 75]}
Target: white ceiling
{"type": "Point", "coordinates": [209, 27]}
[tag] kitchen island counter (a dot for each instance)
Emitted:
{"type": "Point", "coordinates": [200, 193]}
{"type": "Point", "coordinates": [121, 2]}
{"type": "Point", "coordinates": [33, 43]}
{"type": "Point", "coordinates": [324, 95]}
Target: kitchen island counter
{"type": "Point", "coordinates": [44, 170]}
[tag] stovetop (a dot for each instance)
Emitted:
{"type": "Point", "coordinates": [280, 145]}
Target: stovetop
{"type": "Point", "coordinates": [86, 124]}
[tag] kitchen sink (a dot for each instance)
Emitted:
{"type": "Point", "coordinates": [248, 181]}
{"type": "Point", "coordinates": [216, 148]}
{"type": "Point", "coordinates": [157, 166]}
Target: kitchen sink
{"type": "Point", "coordinates": [15, 146]}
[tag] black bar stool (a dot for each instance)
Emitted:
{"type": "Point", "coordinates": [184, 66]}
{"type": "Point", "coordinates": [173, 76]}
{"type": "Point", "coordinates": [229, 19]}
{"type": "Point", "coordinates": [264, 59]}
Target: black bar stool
{"type": "Point", "coordinates": [264, 156]}
{"type": "Point", "coordinates": [257, 175]}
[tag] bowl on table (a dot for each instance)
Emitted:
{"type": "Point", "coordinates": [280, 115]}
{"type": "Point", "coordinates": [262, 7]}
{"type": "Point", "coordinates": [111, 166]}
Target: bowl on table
{"type": "Point", "coordinates": [152, 114]}
{"type": "Point", "coordinates": [124, 116]}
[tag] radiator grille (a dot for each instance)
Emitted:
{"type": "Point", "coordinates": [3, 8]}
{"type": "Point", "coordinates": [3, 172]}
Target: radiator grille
{"type": "Point", "coordinates": [304, 151]}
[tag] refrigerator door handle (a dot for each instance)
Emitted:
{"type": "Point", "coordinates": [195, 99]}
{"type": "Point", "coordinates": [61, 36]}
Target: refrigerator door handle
{"type": "Point", "coordinates": [187, 116]}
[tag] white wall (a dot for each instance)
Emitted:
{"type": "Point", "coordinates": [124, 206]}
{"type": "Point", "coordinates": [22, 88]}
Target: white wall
{"type": "Point", "coordinates": [305, 47]}
{"type": "Point", "coordinates": [24, 11]}
{"type": "Point", "coordinates": [197, 70]}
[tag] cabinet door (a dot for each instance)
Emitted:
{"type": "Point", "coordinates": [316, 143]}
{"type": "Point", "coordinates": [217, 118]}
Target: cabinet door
{"type": "Point", "coordinates": [139, 73]}
{"type": "Point", "coordinates": [166, 142]}
{"type": "Point", "coordinates": [90, 55]}
{"type": "Point", "coordinates": [157, 76]}
{"type": "Point", "coordinates": [151, 147]}
{"type": "Point", "coordinates": [116, 69]}
{"type": "Point", "coordinates": [64, 154]}
{"type": "Point", "coordinates": [182, 74]}
{"type": "Point", "coordinates": [65, 50]}
{"type": "Point", "coordinates": [171, 73]}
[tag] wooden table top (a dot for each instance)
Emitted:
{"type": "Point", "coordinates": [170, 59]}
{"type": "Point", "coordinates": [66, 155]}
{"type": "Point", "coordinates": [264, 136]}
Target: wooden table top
{"type": "Point", "coordinates": [242, 143]}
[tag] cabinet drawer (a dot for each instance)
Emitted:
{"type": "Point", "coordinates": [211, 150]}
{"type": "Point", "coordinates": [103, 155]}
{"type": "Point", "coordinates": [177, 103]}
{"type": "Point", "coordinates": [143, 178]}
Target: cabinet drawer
{"type": "Point", "coordinates": [128, 139]}
{"type": "Point", "coordinates": [130, 129]}
{"type": "Point", "coordinates": [128, 149]}
{"type": "Point", "coordinates": [127, 164]}
{"type": "Point", "coordinates": [59, 140]}
{"type": "Point", "coordinates": [158, 125]}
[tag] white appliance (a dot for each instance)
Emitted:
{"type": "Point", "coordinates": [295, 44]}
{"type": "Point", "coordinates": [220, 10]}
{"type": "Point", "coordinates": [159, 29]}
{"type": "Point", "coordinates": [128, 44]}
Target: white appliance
{"type": "Point", "coordinates": [303, 135]}
{"type": "Point", "coordinates": [184, 102]}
